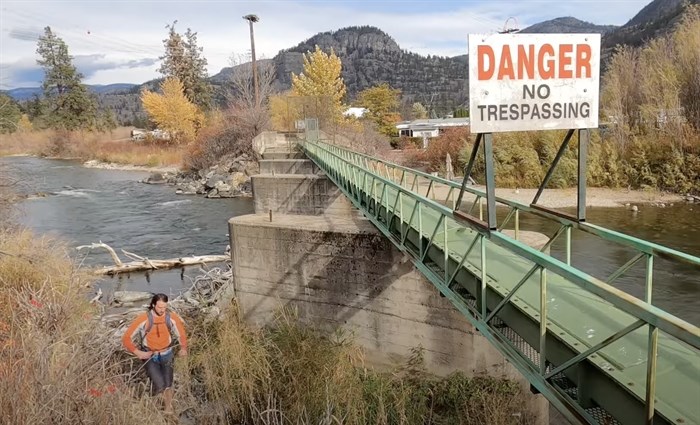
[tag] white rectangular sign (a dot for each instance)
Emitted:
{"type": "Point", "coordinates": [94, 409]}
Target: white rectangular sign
{"type": "Point", "coordinates": [533, 81]}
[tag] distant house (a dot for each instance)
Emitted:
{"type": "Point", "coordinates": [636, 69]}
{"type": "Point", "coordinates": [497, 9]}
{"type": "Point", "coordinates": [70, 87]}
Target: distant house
{"type": "Point", "coordinates": [355, 112]}
{"type": "Point", "coordinates": [428, 128]}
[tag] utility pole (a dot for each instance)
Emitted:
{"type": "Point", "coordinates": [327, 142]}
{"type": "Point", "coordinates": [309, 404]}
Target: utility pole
{"type": "Point", "coordinates": [252, 19]}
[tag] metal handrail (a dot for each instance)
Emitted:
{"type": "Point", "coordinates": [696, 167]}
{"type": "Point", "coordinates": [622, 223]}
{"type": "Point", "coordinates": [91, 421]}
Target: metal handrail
{"type": "Point", "coordinates": [607, 234]}
{"type": "Point", "coordinates": [342, 165]}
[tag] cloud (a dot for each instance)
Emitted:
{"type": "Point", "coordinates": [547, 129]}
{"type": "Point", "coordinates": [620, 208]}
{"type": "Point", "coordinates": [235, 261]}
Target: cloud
{"type": "Point", "coordinates": [26, 73]}
{"type": "Point", "coordinates": [25, 34]}
{"type": "Point", "coordinates": [89, 64]}
{"type": "Point", "coordinates": [129, 39]}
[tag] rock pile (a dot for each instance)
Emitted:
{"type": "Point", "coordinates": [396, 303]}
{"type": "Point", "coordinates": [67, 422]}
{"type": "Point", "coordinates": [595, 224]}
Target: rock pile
{"type": "Point", "coordinates": [230, 178]}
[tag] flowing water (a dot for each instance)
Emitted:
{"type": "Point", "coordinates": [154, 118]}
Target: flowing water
{"type": "Point", "coordinates": [90, 205]}
{"type": "Point", "coordinates": [86, 205]}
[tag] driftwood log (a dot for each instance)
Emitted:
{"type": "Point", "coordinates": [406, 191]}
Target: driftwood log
{"type": "Point", "coordinates": [145, 264]}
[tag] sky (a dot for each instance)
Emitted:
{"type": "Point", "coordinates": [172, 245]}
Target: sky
{"type": "Point", "coordinates": [120, 41]}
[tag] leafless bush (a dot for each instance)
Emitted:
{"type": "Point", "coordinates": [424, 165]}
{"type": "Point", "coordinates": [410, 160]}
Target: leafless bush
{"type": "Point", "coordinates": [233, 129]}
{"type": "Point", "coordinates": [225, 135]}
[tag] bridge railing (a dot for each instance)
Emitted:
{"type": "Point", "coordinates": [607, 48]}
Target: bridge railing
{"type": "Point", "coordinates": [424, 225]}
{"type": "Point", "coordinates": [418, 181]}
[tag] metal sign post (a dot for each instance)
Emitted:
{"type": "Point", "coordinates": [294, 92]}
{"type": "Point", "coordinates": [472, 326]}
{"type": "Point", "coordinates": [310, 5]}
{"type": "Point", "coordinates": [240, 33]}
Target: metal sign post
{"type": "Point", "coordinates": [490, 177]}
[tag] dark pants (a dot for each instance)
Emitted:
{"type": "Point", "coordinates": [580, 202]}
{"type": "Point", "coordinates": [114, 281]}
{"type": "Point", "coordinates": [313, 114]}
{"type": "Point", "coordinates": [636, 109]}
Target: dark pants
{"type": "Point", "coordinates": [160, 370]}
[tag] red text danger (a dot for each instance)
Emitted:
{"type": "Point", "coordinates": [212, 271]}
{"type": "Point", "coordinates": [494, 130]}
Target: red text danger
{"type": "Point", "coordinates": [534, 62]}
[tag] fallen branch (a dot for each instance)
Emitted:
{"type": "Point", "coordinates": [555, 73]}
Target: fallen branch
{"type": "Point", "coordinates": [138, 257]}
{"type": "Point", "coordinates": [97, 297]}
{"type": "Point", "coordinates": [116, 259]}
{"type": "Point", "coordinates": [144, 264]}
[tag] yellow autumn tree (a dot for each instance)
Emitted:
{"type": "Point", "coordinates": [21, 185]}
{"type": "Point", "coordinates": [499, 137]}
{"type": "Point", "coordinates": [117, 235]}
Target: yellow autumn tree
{"type": "Point", "coordinates": [382, 104]}
{"type": "Point", "coordinates": [24, 125]}
{"type": "Point", "coordinates": [321, 85]}
{"type": "Point", "coordinates": [172, 111]}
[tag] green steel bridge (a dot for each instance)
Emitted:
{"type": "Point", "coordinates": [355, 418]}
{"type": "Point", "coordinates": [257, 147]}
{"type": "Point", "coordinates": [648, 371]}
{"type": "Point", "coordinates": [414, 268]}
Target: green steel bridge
{"type": "Point", "coordinates": [598, 354]}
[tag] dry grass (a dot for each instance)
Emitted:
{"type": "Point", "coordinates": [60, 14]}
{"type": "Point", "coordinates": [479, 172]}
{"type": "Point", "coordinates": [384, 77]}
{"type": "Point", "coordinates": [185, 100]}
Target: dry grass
{"type": "Point", "coordinates": [56, 362]}
{"type": "Point", "coordinates": [7, 197]}
{"type": "Point", "coordinates": [59, 365]}
{"type": "Point", "coordinates": [114, 147]}
{"type": "Point", "coordinates": [289, 374]}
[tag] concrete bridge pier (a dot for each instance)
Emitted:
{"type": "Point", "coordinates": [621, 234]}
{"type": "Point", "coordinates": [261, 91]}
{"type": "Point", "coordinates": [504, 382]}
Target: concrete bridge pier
{"type": "Point", "coordinates": [321, 257]}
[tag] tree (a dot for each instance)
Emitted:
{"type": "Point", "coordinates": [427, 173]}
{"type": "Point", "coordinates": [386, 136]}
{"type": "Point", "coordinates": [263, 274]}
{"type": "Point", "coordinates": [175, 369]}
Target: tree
{"type": "Point", "coordinates": [172, 111]}
{"type": "Point", "coordinates": [10, 114]}
{"type": "Point", "coordinates": [24, 125]}
{"type": "Point", "coordinates": [418, 111]}
{"type": "Point", "coordinates": [321, 78]}
{"type": "Point", "coordinates": [68, 104]}
{"type": "Point", "coordinates": [183, 60]}
{"type": "Point", "coordinates": [286, 109]}
{"type": "Point", "coordinates": [382, 103]}
{"type": "Point", "coordinates": [460, 113]}
{"type": "Point", "coordinates": [240, 92]}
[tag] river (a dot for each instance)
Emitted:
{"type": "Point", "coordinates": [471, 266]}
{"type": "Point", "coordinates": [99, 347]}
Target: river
{"type": "Point", "coordinates": [87, 205]}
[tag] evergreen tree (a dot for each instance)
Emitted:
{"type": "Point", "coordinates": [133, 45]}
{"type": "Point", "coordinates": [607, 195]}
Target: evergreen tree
{"type": "Point", "coordinates": [183, 60]}
{"type": "Point", "coordinates": [68, 104]}
{"type": "Point", "coordinates": [10, 114]}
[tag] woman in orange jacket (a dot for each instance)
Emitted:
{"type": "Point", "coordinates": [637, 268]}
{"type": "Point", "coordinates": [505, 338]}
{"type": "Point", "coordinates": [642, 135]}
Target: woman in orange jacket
{"type": "Point", "coordinates": [154, 331]}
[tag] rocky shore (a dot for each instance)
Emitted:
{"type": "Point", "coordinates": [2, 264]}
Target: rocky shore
{"type": "Point", "coordinates": [230, 178]}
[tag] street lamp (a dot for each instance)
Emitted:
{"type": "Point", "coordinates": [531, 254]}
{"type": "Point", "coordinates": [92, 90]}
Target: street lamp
{"type": "Point", "coordinates": [251, 19]}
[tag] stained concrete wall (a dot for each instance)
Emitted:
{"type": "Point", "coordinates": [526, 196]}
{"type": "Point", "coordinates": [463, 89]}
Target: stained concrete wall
{"type": "Point", "coordinates": [299, 194]}
{"type": "Point", "coordinates": [269, 140]}
{"type": "Point", "coordinates": [341, 272]}
{"type": "Point", "coordinates": [288, 166]}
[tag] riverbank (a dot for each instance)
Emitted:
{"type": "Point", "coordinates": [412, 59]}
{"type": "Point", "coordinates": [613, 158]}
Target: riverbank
{"type": "Point", "coordinates": [93, 163]}
{"type": "Point", "coordinates": [567, 198]}
{"type": "Point", "coordinates": [114, 147]}
{"type": "Point", "coordinates": [595, 197]}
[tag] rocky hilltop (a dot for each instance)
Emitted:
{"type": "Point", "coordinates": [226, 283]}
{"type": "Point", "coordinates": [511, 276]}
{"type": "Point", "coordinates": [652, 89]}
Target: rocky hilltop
{"type": "Point", "coordinates": [371, 57]}
{"type": "Point", "coordinates": [569, 25]}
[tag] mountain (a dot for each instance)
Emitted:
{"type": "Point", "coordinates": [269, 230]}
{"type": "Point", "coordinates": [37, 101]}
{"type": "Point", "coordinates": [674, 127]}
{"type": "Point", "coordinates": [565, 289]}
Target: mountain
{"type": "Point", "coordinates": [371, 57]}
{"type": "Point", "coordinates": [657, 18]}
{"type": "Point", "coordinates": [569, 25]}
{"type": "Point", "coordinates": [25, 93]}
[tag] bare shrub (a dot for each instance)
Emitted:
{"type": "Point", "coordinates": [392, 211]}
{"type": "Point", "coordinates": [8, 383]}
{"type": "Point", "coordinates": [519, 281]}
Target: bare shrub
{"type": "Point", "coordinates": [452, 141]}
{"type": "Point", "coordinates": [358, 135]}
{"type": "Point", "coordinates": [231, 131]}
{"type": "Point", "coordinates": [227, 134]}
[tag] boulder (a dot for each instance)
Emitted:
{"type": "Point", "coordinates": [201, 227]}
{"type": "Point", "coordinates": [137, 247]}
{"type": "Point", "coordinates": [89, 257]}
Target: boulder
{"type": "Point", "coordinates": [127, 297]}
{"type": "Point", "coordinates": [213, 180]}
{"type": "Point", "coordinates": [156, 178]}
{"type": "Point", "coordinates": [238, 179]}
{"type": "Point", "coordinates": [223, 187]}
{"type": "Point", "coordinates": [214, 193]}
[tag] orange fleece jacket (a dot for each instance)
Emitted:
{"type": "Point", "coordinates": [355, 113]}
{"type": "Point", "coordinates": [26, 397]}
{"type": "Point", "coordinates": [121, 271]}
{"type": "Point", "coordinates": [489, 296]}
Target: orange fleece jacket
{"type": "Point", "coordinates": [158, 338]}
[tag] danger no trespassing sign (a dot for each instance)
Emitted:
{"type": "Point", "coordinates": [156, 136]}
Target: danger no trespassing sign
{"type": "Point", "coordinates": [533, 81]}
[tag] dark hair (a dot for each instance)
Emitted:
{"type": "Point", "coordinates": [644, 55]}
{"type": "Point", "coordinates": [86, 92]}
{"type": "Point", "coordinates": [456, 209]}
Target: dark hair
{"type": "Point", "coordinates": [156, 298]}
